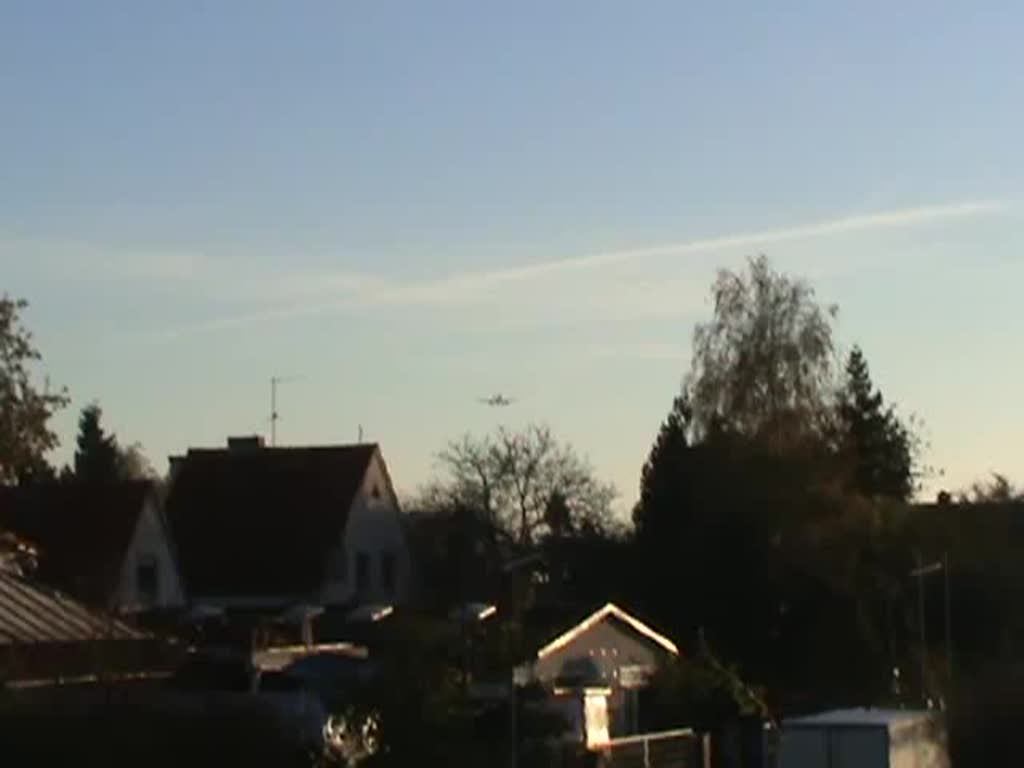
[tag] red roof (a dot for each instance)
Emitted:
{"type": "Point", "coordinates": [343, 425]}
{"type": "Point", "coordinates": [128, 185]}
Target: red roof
{"type": "Point", "coordinates": [262, 522]}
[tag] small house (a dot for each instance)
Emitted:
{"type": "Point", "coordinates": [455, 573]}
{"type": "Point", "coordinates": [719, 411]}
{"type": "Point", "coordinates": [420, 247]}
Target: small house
{"type": "Point", "coordinates": [105, 544]}
{"type": "Point", "coordinates": [599, 666]}
{"type": "Point", "coordinates": [289, 529]}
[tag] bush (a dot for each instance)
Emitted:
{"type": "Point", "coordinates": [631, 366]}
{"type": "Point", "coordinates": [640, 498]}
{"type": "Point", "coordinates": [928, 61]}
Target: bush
{"type": "Point", "coordinates": [130, 735]}
{"type": "Point", "coordinates": [985, 716]}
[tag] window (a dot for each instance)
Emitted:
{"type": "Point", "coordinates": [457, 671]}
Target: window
{"type": "Point", "coordinates": [147, 579]}
{"type": "Point", "coordinates": [339, 565]}
{"type": "Point", "coordinates": [362, 571]}
{"type": "Point", "coordinates": [387, 572]}
{"type": "Point", "coordinates": [375, 493]}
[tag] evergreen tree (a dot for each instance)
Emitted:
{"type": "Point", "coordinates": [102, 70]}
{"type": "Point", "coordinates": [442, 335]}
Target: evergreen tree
{"type": "Point", "coordinates": [665, 521]}
{"type": "Point", "coordinates": [879, 446]}
{"type": "Point", "coordinates": [663, 478]}
{"type": "Point", "coordinates": [97, 459]}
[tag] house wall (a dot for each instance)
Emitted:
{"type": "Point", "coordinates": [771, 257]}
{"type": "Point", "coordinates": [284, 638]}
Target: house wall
{"type": "Point", "coordinates": [922, 744]}
{"type": "Point", "coordinates": [602, 651]}
{"type": "Point", "coordinates": [149, 544]}
{"type": "Point", "coordinates": [607, 646]}
{"type": "Point", "coordinates": [828, 746]}
{"type": "Point", "coordinates": [918, 744]}
{"type": "Point", "coordinates": [374, 529]}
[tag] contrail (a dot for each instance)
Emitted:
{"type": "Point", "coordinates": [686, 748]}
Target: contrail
{"type": "Point", "coordinates": [465, 285]}
{"type": "Point", "coordinates": [901, 217]}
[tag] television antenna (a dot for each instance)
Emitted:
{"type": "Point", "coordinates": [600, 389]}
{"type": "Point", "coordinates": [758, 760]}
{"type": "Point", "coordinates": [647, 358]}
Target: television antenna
{"type": "Point", "coordinates": [274, 415]}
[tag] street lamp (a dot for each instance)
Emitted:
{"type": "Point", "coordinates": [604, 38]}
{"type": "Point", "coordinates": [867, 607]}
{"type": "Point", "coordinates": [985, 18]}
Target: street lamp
{"type": "Point", "coordinates": [920, 572]}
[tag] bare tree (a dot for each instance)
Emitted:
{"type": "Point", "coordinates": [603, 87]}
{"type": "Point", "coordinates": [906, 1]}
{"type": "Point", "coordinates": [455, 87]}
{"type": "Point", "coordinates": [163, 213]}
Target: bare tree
{"type": "Point", "coordinates": [523, 483]}
{"type": "Point", "coordinates": [764, 365]}
{"type": "Point", "coordinates": [997, 490]}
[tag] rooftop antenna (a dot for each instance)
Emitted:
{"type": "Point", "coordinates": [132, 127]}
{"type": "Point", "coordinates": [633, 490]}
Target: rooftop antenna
{"type": "Point", "coordinates": [360, 434]}
{"type": "Point", "coordinates": [274, 415]}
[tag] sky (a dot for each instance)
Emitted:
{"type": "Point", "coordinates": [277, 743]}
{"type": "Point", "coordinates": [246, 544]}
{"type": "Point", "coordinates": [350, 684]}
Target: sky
{"type": "Point", "coordinates": [403, 207]}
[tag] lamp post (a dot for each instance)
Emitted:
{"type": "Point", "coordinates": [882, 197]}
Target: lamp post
{"type": "Point", "coordinates": [920, 572]}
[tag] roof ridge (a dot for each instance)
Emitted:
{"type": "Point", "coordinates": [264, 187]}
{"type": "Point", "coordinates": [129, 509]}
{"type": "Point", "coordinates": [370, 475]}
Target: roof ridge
{"type": "Point", "coordinates": [280, 448]}
{"type": "Point", "coordinates": [290, 503]}
{"type": "Point", "coordinates": [608, 609]}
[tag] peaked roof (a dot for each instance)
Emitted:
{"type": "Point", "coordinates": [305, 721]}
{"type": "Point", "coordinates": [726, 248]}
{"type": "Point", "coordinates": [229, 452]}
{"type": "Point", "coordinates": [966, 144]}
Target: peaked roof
{"type": "Point", "coordinates": [82, 531]}
{"type": "Point", "coordinates": [610, 610]}
{"type": "Point", "coordinates": [32, 614]}
{"type": "Point", "coordinates": [261, 522]}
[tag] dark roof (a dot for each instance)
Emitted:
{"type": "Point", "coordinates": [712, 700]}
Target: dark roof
{"type": "Point", "coordinates": [32, 614]}
{"type": "Point", "coordinates": [82, 531]}
{"type": "Point", "coordinates": [940, 527]}
{"type": "Point", "coordinates": [261, 522]}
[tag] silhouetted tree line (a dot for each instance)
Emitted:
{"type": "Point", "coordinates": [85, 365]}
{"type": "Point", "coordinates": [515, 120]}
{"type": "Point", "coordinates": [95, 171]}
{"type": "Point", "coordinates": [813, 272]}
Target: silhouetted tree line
{"type": "Point", "coordinates": [774, 521]}
{"type": "Point", "coordinates": [773, 527]}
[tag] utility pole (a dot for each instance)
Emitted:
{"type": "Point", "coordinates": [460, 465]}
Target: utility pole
{"type": "Point", "coordinates": [920, 572]}
{"type": "Point", "coordinates": [920, 619]}
{"type": "Point", "coordinates": [949, 620]}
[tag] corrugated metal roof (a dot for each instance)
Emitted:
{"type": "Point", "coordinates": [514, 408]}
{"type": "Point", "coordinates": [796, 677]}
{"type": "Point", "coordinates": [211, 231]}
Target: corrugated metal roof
{"type": "Point", "coordinates": [32, 614]}
{"type": "Point", "coordinates": [860, 717]}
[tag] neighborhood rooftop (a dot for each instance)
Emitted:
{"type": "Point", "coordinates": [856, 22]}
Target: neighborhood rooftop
{"type": "Point", "coordinates": [248, 518]}
{"type": "Point", "coordinates": [863, 717]}
{"type": "Point", "coordinates": [31, 614]}
{"type": "Point", "coordinates": [81, 531]}
{"type": "Point", "coordinates": [610, 610]}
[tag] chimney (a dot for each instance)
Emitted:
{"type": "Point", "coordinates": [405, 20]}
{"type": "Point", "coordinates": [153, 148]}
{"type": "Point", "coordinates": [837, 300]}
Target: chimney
{"type": "Point", "coordinates": [247, 443]}
{"type": "Point", "coordinates": [174, 466]}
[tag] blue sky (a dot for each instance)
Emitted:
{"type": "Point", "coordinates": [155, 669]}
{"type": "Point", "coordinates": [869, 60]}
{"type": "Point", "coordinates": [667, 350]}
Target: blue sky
{"type": "Point", "coordinates": [410, 205]}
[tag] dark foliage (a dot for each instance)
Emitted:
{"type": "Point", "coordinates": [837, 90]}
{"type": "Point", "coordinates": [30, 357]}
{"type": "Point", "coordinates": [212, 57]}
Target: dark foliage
{"type": "Point", "coordinates": [130, 734]}
{"type": "Point", "coordinates": [100, 458]}
{"type": "Point", "coordinates": [762, 366]}
{"type": "Point", "coordinates": [747, 516]}
{"type": "Point", "coordinates": [25, 409]}
{"type": "Point", "coordinates": [877, 444]}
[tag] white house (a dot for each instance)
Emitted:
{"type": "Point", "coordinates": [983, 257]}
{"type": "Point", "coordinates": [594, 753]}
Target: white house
{"type": "Point", "coordinates": [598, 666]}
{"type": "Point", "coordinates": [294, 527]}
{"type": "Point", "coordinates": [105, 543]}
{"type": "Point", "coordinates": [148, 578]}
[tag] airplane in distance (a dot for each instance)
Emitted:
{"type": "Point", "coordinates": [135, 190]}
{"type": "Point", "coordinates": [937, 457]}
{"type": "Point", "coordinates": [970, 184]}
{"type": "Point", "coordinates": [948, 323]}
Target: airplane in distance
{"type": "Point", "coordinates": [497, 401]}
